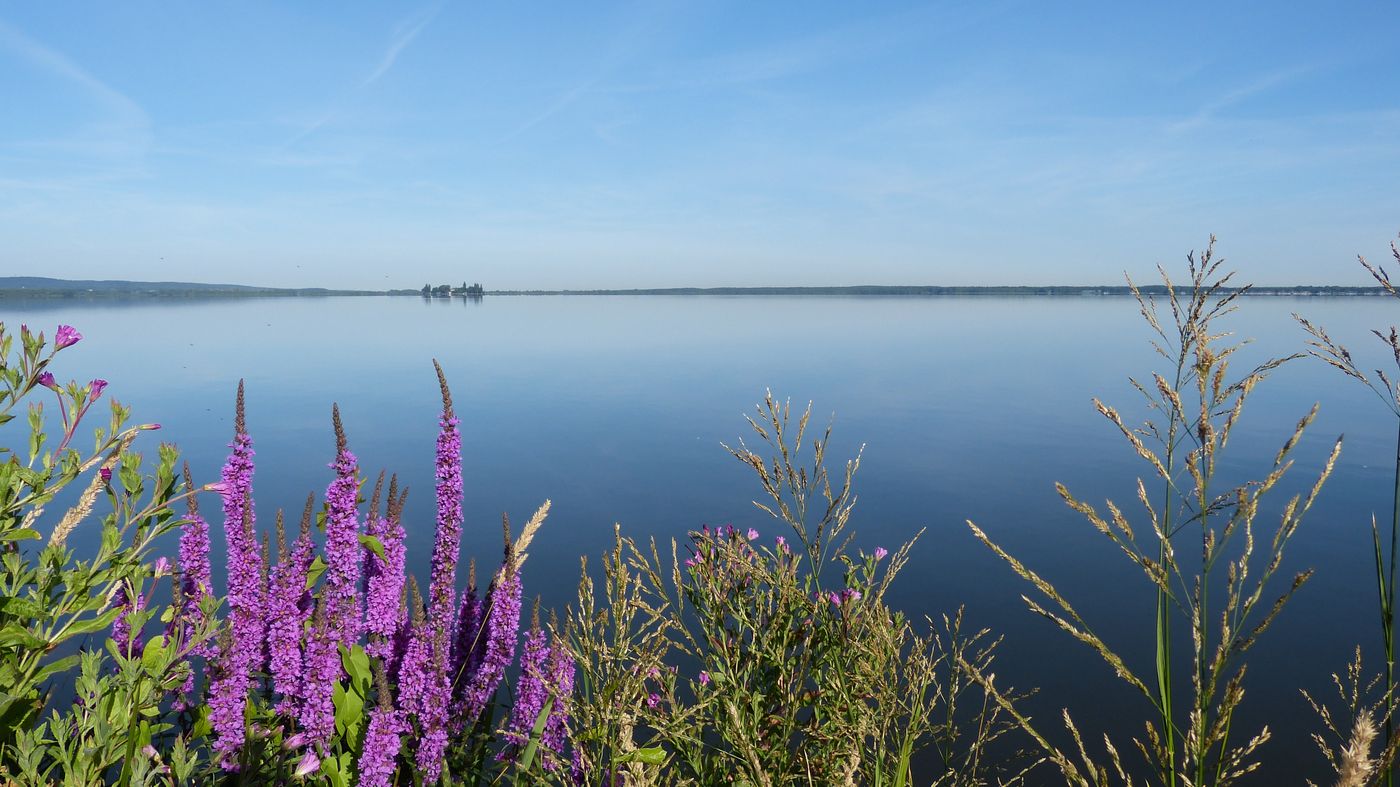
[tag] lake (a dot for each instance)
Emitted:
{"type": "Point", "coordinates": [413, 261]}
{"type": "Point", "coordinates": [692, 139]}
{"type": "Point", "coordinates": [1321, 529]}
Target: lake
{"type": "Point", "coordinates": [615, 407]}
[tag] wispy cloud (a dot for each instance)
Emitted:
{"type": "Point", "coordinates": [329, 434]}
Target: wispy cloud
{"type": "Point", "coordinates": [1258, 86]}
{"type": "Point", "coordinates": [56, 63]}
{"type": "Point", "coordinates": [404, 33]}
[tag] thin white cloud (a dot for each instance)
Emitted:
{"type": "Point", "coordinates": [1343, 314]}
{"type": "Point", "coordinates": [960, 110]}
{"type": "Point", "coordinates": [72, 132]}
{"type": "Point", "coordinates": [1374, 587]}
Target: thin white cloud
{"type": "Point", "coordinates": [121, 107]}
{"type": "Point", "coordinates": [1211, 109]}
{"type": "Point", "coordinates": [404, 33]}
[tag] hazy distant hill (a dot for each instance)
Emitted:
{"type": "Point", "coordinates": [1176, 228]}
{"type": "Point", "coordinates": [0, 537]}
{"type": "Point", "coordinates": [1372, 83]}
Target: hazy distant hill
{"type": "Point", "coordinates": [44, 287]}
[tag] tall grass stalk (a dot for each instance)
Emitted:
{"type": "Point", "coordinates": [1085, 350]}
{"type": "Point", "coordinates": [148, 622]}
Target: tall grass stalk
{"type": "Point", "coordinates": [1195, 413]}
{"type": "Point", "coordinates": [1387, 390]}
{"type": "Point", "coordinates": [776, 661]}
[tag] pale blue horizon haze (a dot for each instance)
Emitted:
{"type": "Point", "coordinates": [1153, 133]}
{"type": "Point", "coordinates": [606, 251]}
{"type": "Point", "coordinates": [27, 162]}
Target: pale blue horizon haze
{"type": "Point", "coordinates": [695, 144]}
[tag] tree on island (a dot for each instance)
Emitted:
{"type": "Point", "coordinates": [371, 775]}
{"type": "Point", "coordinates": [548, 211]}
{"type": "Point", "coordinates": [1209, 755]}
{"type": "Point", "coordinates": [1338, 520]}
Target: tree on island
{"type": "Point", "coordinates": [447, 290]}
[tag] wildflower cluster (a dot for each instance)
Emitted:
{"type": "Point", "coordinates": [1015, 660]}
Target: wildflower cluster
{"type": "Point", "coordinates": [332, 662]}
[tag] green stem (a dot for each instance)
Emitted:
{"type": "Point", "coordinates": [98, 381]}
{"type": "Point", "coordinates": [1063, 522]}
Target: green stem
{"type": "Point", "coordinates": [1389, 612]}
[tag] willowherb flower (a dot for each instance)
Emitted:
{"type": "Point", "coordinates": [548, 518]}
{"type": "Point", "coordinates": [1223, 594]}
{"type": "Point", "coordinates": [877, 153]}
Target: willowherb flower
{"type": "Point", "coordinates": [384, 579]}
{"type": "Point", "coordinates": [95, 389]}
{"type": "Point", "coordinates": [46, 379]}
{"type": "Point", "coordinates": [289, 607]}
{"type": "Point", "coordinates": [245, 594]}
{"type": "Point", "coordinates": [66, 336]}
{"type": "Point", "coordinates": [343, 558]}
{"type": "Point", "coordinates": [383, 739]}
{"type": "Point", "coordinates": [880, 553]}
{"type": "Point", "coordinates": [320, 673]}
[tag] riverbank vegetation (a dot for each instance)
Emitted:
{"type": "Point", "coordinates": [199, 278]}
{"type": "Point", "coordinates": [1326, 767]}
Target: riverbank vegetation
{"type": "Point", "coordinates": [732, 656]}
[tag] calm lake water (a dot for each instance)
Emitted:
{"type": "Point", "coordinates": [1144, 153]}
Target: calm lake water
{"type": "Point", "coordinates": [615, 407]}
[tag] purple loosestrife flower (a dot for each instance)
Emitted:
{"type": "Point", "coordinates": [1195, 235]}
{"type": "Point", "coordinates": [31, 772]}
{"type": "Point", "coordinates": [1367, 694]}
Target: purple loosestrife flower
{"type": "Point", "coordinates": [437, 692]}
{"type": "Point", "coordinates": [382, 740]}
{"type": "Point", "coordinates": [343, 558]}
{"type": "Point", "coordinates": [128, 642]}
{"type": "Point", "coordinates": [467, 648]}
{"type": "Point", "coordinates": [448, 538]}
{"type": "Point", "coordinates": [413, 665]}
{"type": "Point", "coordinates": [384, 579]}
{"type": "Point", "coordinates": [66, 336]}
{"type": "Point", "coordinates": [288, 610]}
{"type": "Point", "coordinates": [502, 630]}
{"type": "Point", "coordinates": [195, 582]}
{"type": "Point", "coordinates": [561, 688]}
{"type": "Point", "coordinates": [321, 672]}
{"type": "Point", "coordinates": [531, 691]}
{"type": "Point", "coordinates": [245, 594]}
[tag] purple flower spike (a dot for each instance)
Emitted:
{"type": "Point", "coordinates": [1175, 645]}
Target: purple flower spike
{"type": "Point", "coordinates": [448, 539]}
{"type": "Point", "coordinates": [321, 672]}
{"type": "Point", "coordinates": [413, 666]}
{"type": "Point", "coordinates": [128, 642]}
{"type": "Point", "coordinates": [530, 693]}
{"type": "Point", "coordinates": [502, 630]}
{"type": "Point", "coordinates": [561, 679]}
{"type": "Point", "coordinates": [289, 609]}
{"type": "Point", "coordinates": [195, 583]}
{"type": "Point", "coordinates": [66, 336]}
{"type": "Point", "coordinates": [246, 594]}
{"type": "Point", "coordinates": [382, 742]}
{"type": "Point", "coordinates": [343, 559]}
{"type": "Point", "coordinates": [384, 579]}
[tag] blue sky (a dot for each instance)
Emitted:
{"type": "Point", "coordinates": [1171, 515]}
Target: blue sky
{"type": "Point", "coordinates": [705, 143]}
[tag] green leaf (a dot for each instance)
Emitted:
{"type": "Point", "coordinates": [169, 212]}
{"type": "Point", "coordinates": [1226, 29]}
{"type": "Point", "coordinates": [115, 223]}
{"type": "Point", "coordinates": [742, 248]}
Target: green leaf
{"type": "Point", "coordinates": [374, 545]}
{"type": "Point", "coordinates": [314, 572]}
{"type": "Point", "coordinates": [356, 664]}
{"type": "Point", "coordinates": [54, 667]}
{"type": "Point", "coordinates": [153, 655]}
{"type": "Point", "coordinates": [527, 758]}
{"type": "Point", "coordinates": [30, 534]}
{"type": "Point", "coordinates": [91, 625]}
{"type": "Point", "coordinates": [17, 635]}
{"type": "Point", "coordinates": [22, 608]}
{"type": "Point", "coordinates": [650, 756]}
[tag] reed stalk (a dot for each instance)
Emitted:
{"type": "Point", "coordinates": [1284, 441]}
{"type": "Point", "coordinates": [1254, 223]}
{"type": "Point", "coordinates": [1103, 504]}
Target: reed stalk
{"type": "Point", "coordinates": [1197, 408]}
{"type": "Point", "coordinates": [1336, 355]}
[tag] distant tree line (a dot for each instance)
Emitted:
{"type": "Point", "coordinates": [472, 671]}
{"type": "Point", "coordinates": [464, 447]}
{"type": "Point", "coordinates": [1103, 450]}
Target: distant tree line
{"type": "Point", "coordinates": [446, 290]}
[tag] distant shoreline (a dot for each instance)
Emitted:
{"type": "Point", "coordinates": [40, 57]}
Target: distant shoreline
{"type": "Point", "coordinates": [1059, 291]}
{"type": "Point", "coordinates": [37, 288]}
